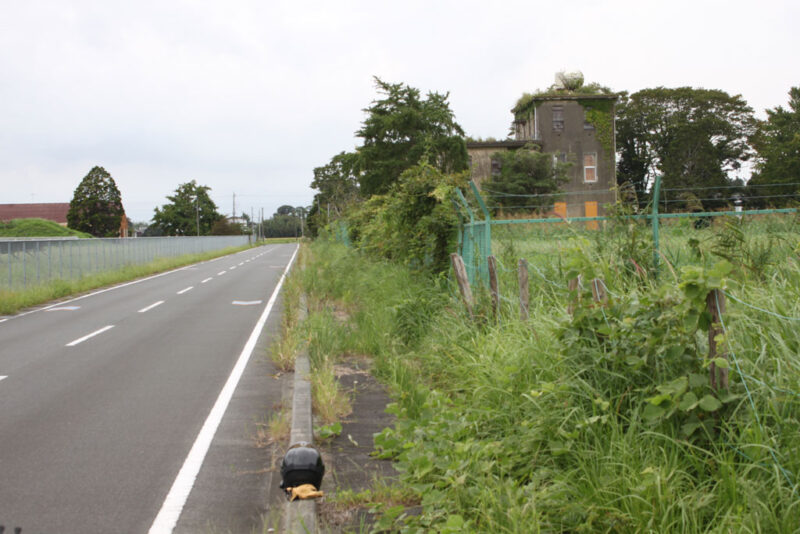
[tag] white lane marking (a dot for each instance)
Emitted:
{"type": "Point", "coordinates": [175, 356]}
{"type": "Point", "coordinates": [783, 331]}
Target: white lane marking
{"type": "Point", "coordinates": [232, 267]}
{"type": "Point", "coordinates": [184, 290]}
{"type": "Point", "coordinates": [64, 308]}
{"type": "Point", "coordinates": [3, 320]}
{"type": "Point", "coordinates": [207, 280]}
{"type": "Point", "coordinates": [3, 377]}
{"type": "Point", "coordinates": [246, 302]}
{"type": "Point", "coordinates": [241, 264]}
{"type": "Point", "coordinates": [84, 338]}
{"type": "Point", "coordinates": [153, 305]}
{"type": "Point", "coordinates": [171, 510]}
{"type": "Point", "coordinates": [221, 273]}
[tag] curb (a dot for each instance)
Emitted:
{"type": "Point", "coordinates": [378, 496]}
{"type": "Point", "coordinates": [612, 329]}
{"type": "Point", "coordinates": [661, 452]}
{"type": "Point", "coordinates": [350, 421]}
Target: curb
{"type": "Point", "coordinates": [301, 515]}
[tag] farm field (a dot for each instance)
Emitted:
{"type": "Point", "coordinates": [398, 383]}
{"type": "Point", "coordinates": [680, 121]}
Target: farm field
{"type": "Point", "coordinates": [599, 420]}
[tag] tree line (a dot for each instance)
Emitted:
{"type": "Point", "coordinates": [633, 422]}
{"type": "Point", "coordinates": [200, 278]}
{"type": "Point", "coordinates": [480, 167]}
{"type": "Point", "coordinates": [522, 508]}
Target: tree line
{"type": "Point", "coordinates": [96, 208]}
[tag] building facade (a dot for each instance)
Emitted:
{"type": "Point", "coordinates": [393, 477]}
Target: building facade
{"type": "Point", "coordinates": [575, 128]}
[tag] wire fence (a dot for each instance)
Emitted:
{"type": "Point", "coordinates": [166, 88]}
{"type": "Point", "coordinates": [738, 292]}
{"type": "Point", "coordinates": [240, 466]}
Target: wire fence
{"type": "Point", "coordinates": [559, 210]}
{"type": "Point", "coordinates": [30, 262]}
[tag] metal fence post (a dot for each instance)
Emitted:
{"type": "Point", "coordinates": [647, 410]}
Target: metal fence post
{"type": "Point", "coordinates": [656, 191]}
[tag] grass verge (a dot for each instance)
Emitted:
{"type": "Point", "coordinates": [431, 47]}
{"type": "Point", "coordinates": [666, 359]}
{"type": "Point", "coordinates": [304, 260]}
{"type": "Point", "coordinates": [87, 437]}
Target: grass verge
{"type": "Point", "coordinates": [601, 421]}
{"type": "Point", "coordinates": [12, 301]}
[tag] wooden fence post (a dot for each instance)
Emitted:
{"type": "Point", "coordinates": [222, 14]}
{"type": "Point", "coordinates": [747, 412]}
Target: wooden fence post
{"type": "Point", "coordinates": [718, 376]}
{"type": "Point", "coordinates": [572, 285]}
{"type": "Point", "coordinates": [463, 281]}
{"type": "Point", "coordinates": [524, 295]}
{"type": "Point", "coordinates": [494, 287]}
{"type": "Point", "coordinates": [599, 291]}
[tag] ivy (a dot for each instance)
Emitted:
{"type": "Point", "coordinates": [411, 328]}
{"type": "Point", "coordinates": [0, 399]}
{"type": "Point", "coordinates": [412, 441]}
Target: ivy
{"type": "Point", "coordinates": [600, 114]}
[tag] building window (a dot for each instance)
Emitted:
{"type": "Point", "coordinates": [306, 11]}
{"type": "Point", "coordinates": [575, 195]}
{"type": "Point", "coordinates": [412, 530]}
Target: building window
{"type": "Point", "coordinates": [590, 167]}
{"type": "Point", "coordinates": [558, 118]}
{"type": "Point", "coordinates": [496, 167]}
{"type": "Point", "coordinates": [586, 124]}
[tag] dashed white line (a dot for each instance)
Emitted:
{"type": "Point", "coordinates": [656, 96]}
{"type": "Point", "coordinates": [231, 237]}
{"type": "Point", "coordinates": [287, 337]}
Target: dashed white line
{"type": "Point", "coordinates": [3, 377]}
{"type": "Point", "coordinates": [241, 264]}
{"type": "Point", "coordinates": [153, 305]}
{"type": "Point", "coordinates": [232, 267]}
{"type": "Point", "coordinates": [221, 273]}
{"type": "Point", "coordinates": [64, 308]}
{"type": "Point", "coordinates": [84, 338]}
{"type": "Point", "coordinates": [207, 280]}
{"type": "Point", "coordinates": [245, 302]}
{"type": "Point", "coordinates": [184, 290]}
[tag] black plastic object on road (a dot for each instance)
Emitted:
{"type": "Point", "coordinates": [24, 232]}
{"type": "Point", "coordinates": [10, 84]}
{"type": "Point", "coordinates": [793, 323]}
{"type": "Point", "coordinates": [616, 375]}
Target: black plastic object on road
{"type": "Point", "coordinates": [302, 464]}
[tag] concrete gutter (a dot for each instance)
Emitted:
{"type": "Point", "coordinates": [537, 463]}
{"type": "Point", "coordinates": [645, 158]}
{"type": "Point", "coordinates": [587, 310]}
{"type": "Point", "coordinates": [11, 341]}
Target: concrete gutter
{"type": "Point", "coordinates": [301, 515]}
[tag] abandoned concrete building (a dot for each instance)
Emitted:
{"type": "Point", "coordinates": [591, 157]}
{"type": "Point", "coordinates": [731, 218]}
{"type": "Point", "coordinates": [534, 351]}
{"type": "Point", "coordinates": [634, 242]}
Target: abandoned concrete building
{"type": "Point", "coordinates": [577, 128]}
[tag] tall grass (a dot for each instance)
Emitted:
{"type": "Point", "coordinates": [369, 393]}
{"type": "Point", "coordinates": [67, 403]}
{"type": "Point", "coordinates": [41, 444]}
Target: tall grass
{"type": "Point", "coordinates": [504, 426]}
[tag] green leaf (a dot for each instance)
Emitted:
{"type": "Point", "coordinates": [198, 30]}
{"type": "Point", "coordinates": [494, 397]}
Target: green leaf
{"type": "Point", "coordinates": [688, 402]}
{"type": "Point", "coordinates": [697, 380]}
{"type": "Point", "coordinates": [722, 363]}
{"type": "Point", "coordinates": [652, 412]}
{"type": "Point", "coordinates": [674, 388]}
{"type": "Point", "coordinates": [710, 403]}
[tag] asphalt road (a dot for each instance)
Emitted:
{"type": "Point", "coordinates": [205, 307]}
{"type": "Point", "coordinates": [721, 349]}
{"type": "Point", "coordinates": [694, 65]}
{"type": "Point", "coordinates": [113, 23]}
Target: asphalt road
{"type": "Point", "coordinates": [102, 399]}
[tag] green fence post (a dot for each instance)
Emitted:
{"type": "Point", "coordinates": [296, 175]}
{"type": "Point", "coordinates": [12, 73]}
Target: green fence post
{"type": "Point", "coordinates": [656, 191]}
{"type": "Point", "coordinates": [487, 234]}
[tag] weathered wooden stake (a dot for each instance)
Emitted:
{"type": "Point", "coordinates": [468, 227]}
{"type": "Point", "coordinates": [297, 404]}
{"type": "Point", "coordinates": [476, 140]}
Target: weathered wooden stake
{"type": "Point", "coordinates": [718, 376]}
{"type": "Point", "coordinates": [599, 291]}
{"type": "Point", "coordinates": [524, 295]}
{"type": "Point", "coordinates": [463, 281]}
{"type": "Point", "coordinates": [572, 285]}
{"type": "Point", "coordinates": [494, 287]}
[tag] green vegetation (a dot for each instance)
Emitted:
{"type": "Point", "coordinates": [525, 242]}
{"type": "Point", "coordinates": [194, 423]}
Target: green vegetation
{"type": "Point", "coordinates": [600, 114]}
{"type": "Point", "coordinates": [692, 137]}
{"type": "Point", "coordinates": [190, 211]}
{"type": "Point", "coordinates": [400, 130]}
{"type": "Point", "coordinates": [12, 301]}
{"type": "Point", "coordinates": [526, 172]}
{"type": "Point", "coordinates": [603, 420]}
{"type": "Point", "coordinates": [778, 145]}
{"type": "Point", "coordinates": [37, 228]}
{"type": "Point", "coordinates": [96, 206]}
{"type": "Point", "coordinates": [526, 103]}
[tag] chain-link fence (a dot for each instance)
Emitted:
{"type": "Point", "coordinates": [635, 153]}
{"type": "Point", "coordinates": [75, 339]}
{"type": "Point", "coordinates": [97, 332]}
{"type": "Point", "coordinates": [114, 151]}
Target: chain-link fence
{"type": "Point", "coordinates": [30, 262]}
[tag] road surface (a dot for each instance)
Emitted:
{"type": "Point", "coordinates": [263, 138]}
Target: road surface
{"type": "Point", "coordinates": [114, 407]}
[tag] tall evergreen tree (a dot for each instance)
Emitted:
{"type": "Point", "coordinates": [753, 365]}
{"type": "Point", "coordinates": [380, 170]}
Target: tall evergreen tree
{"type": "Point", "coordinates": [400, 129]}
{"type": "Point", "coordinates": [96, 206]}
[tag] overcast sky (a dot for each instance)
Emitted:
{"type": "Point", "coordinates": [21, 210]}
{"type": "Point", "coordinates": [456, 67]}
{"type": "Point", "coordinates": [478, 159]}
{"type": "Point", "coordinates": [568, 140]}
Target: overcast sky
{"type": "Point", "coordinates": [249, 97]}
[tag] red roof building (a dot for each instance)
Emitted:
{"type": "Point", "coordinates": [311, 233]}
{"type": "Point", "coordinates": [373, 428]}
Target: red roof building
{"type": "Point", "coordinates": [53, 211]}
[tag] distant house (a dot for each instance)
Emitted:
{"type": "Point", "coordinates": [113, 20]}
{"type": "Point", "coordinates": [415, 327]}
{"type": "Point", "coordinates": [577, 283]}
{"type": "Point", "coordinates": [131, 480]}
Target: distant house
{"type": "Point", "coordinates": [574, 127]}
{"type": "Point", "coordinates": [53, 211]}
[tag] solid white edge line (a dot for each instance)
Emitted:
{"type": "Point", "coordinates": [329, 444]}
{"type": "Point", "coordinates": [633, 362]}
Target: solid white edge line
{"type": "Point", "coordinates": [2, 377]}
{"type": "Point", "coordinates": [153, 305]}
{"type": "Point", "coordinates": [88, 336]}
{"type": "Point", "coordinates": [173, 505]}
{"type": "Point", "coordinates": [184, 290]}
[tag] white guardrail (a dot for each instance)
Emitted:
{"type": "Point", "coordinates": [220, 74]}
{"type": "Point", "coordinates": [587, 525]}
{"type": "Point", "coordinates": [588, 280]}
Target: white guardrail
{"type": "Point", "coordinates": [31, 262]}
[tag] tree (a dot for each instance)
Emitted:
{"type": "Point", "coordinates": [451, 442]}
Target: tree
{"type": "Point", "coordinates": [693, 138]}
{"type": "Point", "coordinates": [526, 172]}
{"type": "Point", "coordinates": [778, 144]}
{"type": "Point", "coordinates": [96, 206]}
{"type": "Point", "coordinates": [187, 206]}
{"type": "Point", "coordinates": [400, 129]}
